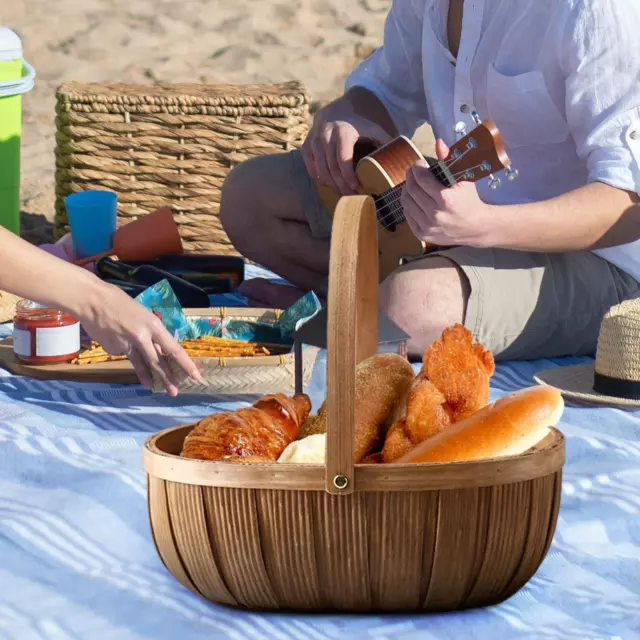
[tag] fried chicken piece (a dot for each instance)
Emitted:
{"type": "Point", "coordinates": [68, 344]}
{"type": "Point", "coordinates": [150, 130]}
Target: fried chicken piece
{"type": "Point", "coordinates": [461, 370]}
{"type": "Point", "coordinates": [428, 412]}
{"type": "Point", "coordinates": [397, 442]}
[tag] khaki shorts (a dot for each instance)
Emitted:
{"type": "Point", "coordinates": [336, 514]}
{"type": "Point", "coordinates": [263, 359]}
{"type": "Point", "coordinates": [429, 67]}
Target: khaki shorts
{"type": "Point", "coordinates": [522, 305]}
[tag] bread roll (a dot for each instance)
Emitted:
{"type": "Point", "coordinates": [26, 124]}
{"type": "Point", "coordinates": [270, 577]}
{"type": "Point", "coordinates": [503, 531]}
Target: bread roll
{"type": "Point", "coordinates": [382, 384]}
{"type": "Point", "coordinates": [309, 450]}
{"type": "Point", "coordinates": [509, 426]}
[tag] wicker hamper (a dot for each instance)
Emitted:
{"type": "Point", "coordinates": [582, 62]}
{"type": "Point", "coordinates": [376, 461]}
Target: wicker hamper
{"type": "Point", "coordinates": [344, 537]}
{"type": "Point", "coordinates": [170, 145]}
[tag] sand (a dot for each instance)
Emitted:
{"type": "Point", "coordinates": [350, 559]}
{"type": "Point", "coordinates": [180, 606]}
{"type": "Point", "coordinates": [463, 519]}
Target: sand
{"type": "Point", "coordinates": [148, 41]}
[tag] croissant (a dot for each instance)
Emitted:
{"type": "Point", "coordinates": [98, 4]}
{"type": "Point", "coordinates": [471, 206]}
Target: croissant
{"type": "Point", "coordinates": [259, 433]}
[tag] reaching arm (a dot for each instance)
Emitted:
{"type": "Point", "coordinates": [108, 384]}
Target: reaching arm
{"type": "Point", "coordinates": [120, 324]}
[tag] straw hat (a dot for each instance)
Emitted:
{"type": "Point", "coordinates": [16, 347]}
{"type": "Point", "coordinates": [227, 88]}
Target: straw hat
{"type": "Point", "coordinates": [614, 378]}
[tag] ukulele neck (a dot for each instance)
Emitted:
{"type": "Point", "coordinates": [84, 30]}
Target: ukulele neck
{"type": "Point", "coordinates": [389, 206]}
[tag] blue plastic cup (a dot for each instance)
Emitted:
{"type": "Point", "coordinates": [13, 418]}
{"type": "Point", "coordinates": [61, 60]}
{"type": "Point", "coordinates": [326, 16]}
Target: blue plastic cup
{"type": "Point", "coordinates": [92, 219]}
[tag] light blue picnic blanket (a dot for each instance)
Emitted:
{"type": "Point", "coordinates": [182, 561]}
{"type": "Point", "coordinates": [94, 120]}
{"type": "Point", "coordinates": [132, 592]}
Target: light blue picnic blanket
{"type": "Point", "coordinates": [77, 561]}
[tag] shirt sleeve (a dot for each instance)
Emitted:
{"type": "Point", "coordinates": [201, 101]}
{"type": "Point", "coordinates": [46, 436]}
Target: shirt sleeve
{"type": "Point", "coordinates": [393, 73]}
{"type": "Point", "coordinates": [599, 53]}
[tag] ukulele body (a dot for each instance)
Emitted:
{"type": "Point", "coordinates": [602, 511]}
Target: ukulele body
{"type": "Point", "coordinates": [377, 172]}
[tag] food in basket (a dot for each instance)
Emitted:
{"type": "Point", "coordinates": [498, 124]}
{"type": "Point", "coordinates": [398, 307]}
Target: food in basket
{"type": "Point", "coordinates": [382, 384]}
{"type": "Point", "coordinates": [259, 433]}
{"type": "Point", "coordinates": [452, 384]}
{"type": "Point", "coordinates": [309, 450]}
{"type": "Point", "coordinates": [510, 426]}
{"type": "Point", "coordinates": [203, 347]}
{"type": "Point", "coordinates": [461, 369]}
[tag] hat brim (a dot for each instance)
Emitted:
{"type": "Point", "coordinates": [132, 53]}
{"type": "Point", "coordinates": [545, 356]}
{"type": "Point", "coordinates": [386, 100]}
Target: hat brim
{"type": "Point", "coordinates": [576, 382]}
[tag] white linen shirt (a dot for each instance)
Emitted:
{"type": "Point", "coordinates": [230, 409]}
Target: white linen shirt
{"type": "Point", "coordinates": [560, 79]}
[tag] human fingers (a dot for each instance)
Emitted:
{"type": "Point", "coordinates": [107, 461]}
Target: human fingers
{"type": "Point", "coordinates": [172, 350]}
{"type": "Point", "coordinates": [141, 369]}
{"type": "Point", "coordinates": [156, 365]}
{"type": "Point", "coordinates": [308, 157]}
{"type": "Point", "coordinates": [319, 148]}
{"type": "Point", "coordinates": [420, 177]}
{"type": "Point", "coordinates": [442, 150]}
{"type": "Point", "coordinates": [340, 157]}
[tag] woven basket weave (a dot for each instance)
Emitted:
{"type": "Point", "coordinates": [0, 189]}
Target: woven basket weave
{"type": "Point", "coordinates": [170, 145]}
{"type": "Point", "coordinates": [8, 304]}
{"type": "Point", "coordinates": [244, 376]}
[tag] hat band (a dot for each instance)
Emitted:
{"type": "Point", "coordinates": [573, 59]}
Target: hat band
{"type": "Point", "coordinates": [616, 387]}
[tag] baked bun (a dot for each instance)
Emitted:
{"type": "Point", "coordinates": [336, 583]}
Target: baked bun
{"type": "Point", "coordinates": [509, 426]}
{"type": "Point", "coordinates": [382, 384]}
{"type": "Point", "coordinates": [309, 450]}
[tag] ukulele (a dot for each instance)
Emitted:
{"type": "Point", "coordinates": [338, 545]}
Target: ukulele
{"type": "Point", "coordinates": [382, 171]}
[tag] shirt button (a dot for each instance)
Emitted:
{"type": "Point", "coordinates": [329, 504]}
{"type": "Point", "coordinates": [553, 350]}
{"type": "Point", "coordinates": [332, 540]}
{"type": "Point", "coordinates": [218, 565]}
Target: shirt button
{"type": "Point", "coordinates": [464, 108]}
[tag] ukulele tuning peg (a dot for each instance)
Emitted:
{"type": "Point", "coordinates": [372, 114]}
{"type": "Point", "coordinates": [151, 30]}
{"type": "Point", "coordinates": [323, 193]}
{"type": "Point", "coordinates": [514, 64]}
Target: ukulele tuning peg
{"type": "Point", "coordinates": [494, 182]}
{"type": "Point", "coordinates": [460, 129]}
{"type": "Point", "coordinates": [476, 117]}
{"type": "Point", "coordinates": [511, 173]}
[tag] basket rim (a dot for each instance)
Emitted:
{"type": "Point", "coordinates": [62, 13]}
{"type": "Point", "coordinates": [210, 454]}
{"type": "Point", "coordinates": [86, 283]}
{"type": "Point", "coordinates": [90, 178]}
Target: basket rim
{"type": "Point", "coordinates": [292, 94]}
{"type": "Point", "coordinates": [545, 459]}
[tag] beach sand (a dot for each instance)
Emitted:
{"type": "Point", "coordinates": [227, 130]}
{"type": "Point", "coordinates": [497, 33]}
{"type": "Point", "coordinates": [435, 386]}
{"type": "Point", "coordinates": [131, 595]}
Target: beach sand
{"type": "Point", "coordinates": [148, 41]}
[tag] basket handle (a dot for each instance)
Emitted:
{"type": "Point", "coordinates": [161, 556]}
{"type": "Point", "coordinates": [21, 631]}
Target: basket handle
{"type": "Point", "coordinates": [352, 328]}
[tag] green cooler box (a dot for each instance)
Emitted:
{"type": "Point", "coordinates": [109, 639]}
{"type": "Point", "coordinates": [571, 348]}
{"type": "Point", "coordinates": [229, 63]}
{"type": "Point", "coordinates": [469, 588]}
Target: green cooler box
{"type": "Point", "coordinates": [16, 77]}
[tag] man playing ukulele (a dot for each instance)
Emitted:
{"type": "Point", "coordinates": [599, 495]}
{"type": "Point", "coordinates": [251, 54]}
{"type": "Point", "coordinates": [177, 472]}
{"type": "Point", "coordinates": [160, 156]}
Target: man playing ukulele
{"type": "Point", "coordinates": [535, 264]}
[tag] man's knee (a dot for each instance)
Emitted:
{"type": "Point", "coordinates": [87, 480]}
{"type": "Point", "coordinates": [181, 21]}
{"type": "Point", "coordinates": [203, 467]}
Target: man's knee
{"type": "Point", "coordinates": [425, 297]}
{"type": "Point", "coordinates": [239, 203]}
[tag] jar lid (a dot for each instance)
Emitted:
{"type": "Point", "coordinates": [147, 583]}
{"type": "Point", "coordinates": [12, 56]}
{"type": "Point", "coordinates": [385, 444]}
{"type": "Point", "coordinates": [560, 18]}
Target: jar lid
{"type": "Point", "coordinates": [30, 304]}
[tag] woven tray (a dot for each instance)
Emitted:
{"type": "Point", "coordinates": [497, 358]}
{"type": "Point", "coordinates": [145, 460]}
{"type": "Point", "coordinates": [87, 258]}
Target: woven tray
{"type": "Point", "coordinates": [170, 145]}
{"type": "Point", "coordinates": [220, 376]}
{"type": "Point", "coordinates": [8, 304]}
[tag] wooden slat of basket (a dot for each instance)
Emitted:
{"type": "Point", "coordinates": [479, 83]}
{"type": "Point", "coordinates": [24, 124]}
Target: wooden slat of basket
{"type": "Point", "coordinates": [186, 502]}
{"type": "Point", "coordinates": [396, 526]}
{"type": "Point", "coordinates": [173, 145]}
{"type": "Point", "coordinates": [286, 517]}
{"type": "Point", "coordinates": [163, 532]}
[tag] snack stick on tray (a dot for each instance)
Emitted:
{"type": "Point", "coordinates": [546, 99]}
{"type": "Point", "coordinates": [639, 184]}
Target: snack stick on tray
{"type": "Point", "coordinates": [203, 347]}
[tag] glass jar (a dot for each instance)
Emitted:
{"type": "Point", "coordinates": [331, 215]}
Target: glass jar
{"type": "Point", "coordinates": [42, 335]}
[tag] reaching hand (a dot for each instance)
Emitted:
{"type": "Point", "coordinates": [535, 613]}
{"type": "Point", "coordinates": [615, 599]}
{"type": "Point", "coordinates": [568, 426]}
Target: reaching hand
{"type": "Point", "coordinates": [124, 327]}
{"type": "Point", "coordinates": [328, 149]}
{"type": "Point", "coordinates": [444, 216]}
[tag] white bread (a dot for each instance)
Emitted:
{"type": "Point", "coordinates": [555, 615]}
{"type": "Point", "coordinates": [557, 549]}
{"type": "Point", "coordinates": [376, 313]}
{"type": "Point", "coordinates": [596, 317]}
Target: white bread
{"type": "Point", "coordinates": [509, 426]}
{"type": "Point", "coordinates": [309, 450]}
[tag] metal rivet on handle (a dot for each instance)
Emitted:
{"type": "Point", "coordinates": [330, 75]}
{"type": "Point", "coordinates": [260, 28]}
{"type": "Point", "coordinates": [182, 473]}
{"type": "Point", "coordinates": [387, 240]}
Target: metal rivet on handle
{"type": "Point", "coordinates": [340, 482]}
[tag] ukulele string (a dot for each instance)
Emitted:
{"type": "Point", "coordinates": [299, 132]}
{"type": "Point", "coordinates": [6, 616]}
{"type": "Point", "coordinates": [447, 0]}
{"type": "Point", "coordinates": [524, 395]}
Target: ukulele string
{"type": "Point", "coordinates": [393, 206]}
{"type": "Point", "coordinates": [436, 170]}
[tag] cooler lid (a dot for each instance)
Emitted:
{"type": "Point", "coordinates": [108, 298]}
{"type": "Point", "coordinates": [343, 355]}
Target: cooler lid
{"type": "Point", "coordinates": [10, 45]}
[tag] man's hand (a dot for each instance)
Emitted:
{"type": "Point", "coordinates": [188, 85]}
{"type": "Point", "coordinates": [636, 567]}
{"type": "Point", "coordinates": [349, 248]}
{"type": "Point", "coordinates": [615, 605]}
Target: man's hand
{"type": "Point", "coordinates": [328, 149]}
{"type": "Point", "coordinates": [446, 216]}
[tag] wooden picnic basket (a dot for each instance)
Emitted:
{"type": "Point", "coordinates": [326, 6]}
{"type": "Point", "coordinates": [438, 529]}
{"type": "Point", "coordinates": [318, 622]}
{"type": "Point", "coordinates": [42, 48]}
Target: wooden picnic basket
{"type": "Point", "coordinates": [427, 537]}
